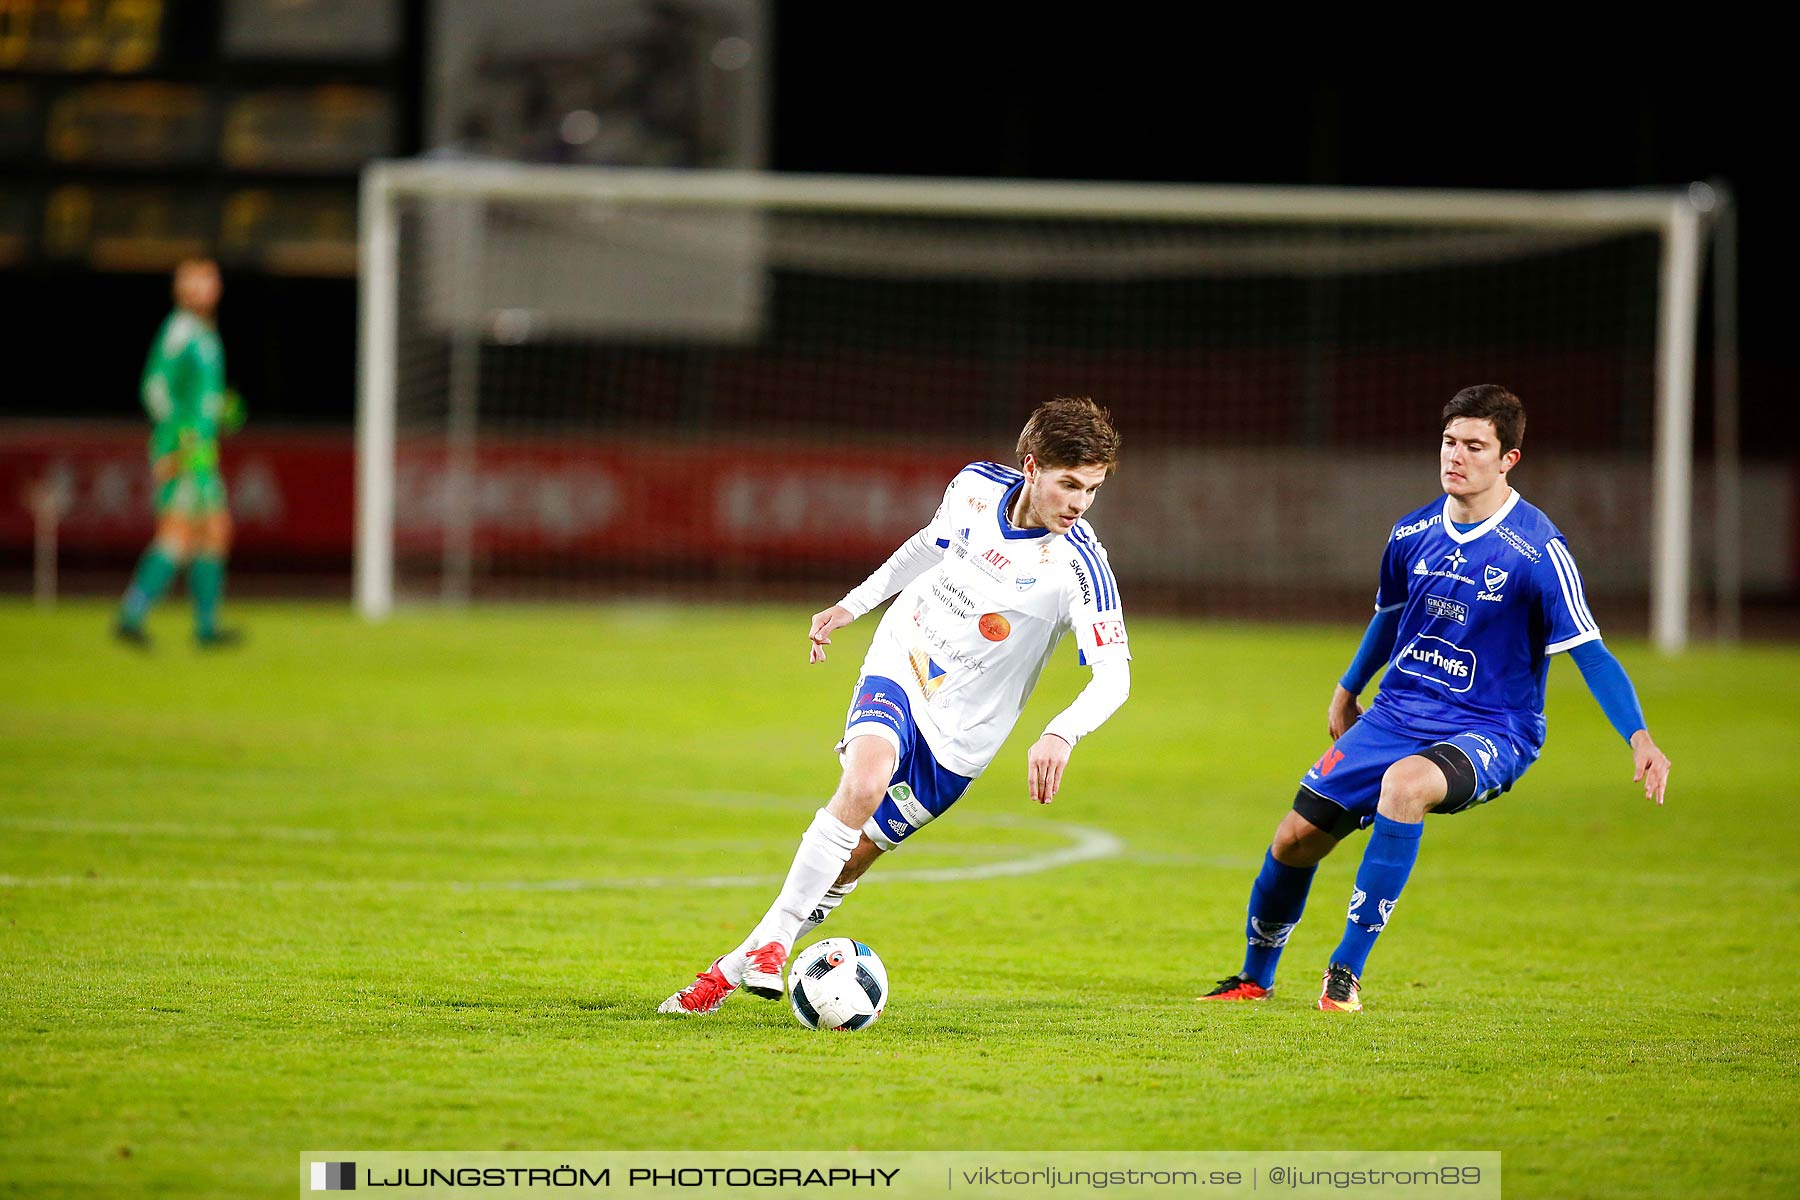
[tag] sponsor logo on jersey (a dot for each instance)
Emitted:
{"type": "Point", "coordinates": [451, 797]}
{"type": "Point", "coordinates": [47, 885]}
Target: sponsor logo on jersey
{"type": "Point", "coordinates": [1456, 558]}
{"type": "Point", "coordinates": [979, 506]}
{"type": "Point", "coordinates": [1107, 633]}
{"type": "Point", "coordinates": [953, 599]}
{"type": "Point", "coordinates": [1495, 579]}
{"type": "Point", "coordinates": [1421, 569]}
{"type": "Point", "coordinates": [1443, 663]}
{"type": "Point", "coordinates": [927, 672]}
{"type": "Point", "coordinates": [1512, 538]}
{"type": "Point", "coordinates": [994, 627]}
{"type": "Point", "coordinates": [1449, 610]}
{"type": "Point", "coordinates": [1087, 589]}
{"type": "Point", "coordinates": [1044, 551]}
{"type": "Point", "coordinates": [998, 559]}
{"type": "Point", "coordinates": [1328, 760]}
{"type": "Point", "coordinates": [1406, 531]}
{"type": "Point", "coordinates": [897, 827]}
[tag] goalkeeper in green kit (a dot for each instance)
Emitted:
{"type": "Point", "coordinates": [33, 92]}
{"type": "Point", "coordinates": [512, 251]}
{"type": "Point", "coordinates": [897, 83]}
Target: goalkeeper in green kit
{"type": "Point", "coordinates": [189, 406]}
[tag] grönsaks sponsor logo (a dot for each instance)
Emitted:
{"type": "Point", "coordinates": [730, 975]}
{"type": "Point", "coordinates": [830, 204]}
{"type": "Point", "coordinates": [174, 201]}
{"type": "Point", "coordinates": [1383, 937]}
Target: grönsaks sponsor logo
{"type": "Point", "coordinates": [1449, 610]}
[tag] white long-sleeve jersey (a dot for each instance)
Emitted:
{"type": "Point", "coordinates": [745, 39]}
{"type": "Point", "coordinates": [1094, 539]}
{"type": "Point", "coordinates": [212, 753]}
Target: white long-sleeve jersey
{"type": "Point", "coordinates": [982, 605]}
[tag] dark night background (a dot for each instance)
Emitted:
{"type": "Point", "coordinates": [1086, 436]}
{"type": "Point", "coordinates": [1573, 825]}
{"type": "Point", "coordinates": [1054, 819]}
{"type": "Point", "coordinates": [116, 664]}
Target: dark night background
{"type": "Point", "coordinates": [1111, 92]}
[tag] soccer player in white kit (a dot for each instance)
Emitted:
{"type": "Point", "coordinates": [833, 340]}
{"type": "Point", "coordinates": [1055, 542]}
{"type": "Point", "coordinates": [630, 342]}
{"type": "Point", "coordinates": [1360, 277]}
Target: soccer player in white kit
{"type": "Point", "coordinates": [986, 591]}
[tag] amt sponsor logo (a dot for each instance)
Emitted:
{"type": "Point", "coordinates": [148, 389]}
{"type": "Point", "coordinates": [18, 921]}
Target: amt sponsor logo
{"type": "Point", "coordinates": [1443, 663]}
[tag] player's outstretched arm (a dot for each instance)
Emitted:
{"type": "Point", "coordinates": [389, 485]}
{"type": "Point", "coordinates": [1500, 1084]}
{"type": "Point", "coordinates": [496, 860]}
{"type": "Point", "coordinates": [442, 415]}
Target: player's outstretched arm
{"type": "Point", "coordinates": [1049, 755]}
{"type": "Point", "coordinates": [1649, 764]}
{"type": "Point", "coordinates": [823, 623]}
{"type": "Point", "coordinates": [1606, 678]}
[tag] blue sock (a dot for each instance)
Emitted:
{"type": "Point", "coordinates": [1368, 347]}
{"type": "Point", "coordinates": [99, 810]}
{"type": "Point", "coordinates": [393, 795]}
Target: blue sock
{"type": "Point", "coordinates": [1387, 861]}
{"type": "Point", "coordinates": [1277, 899]}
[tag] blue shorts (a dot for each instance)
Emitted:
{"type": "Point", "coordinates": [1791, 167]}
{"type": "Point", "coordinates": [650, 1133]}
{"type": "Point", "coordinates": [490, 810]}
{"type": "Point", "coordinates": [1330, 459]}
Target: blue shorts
{"type": "Point", "coordinates": [921, 790]}
{"type": "Point", "coordinates": [1346, 781]}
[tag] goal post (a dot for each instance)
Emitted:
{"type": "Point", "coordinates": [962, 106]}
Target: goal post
{"type": "Point", "coordinates": [534, 339]}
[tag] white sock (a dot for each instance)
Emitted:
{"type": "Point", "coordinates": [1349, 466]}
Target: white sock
{"type": "Point", "coordinates": [834, 896]}
{"type": "Point", "coordinates": [824, 850]}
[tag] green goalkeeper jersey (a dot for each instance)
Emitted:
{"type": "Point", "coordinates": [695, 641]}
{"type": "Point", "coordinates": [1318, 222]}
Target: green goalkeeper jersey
{"type": "Point", "coordinates": [183, 391]}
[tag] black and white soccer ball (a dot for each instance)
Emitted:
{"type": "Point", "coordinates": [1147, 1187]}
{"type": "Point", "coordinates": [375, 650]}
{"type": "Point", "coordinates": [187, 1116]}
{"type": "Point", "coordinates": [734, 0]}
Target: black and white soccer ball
{"type": "Point", "coordinates": [838, 983]}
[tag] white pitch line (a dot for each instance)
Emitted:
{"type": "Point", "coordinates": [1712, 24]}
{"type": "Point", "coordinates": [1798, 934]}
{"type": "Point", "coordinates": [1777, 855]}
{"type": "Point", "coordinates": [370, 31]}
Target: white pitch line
{"type": "Point", "coordinates": [1085, 845]}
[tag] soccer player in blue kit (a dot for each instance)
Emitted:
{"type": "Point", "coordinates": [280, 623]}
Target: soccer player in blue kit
{"type": "Point", "coordinates": [1477, 591]}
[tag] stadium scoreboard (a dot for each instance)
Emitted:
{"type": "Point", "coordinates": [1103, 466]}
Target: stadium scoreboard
{"type": "Point", "coordinates": [137, 132]}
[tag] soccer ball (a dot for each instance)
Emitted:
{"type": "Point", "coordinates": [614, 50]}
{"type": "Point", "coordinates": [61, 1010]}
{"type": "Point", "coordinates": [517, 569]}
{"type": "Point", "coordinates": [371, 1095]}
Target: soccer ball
{"type": "Point", "coordinates": [838, 983]}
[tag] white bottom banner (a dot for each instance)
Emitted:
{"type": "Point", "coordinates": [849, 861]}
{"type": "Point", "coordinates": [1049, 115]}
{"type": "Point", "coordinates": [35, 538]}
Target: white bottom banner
{"type": "Point", "coordinates": [975, 1174]}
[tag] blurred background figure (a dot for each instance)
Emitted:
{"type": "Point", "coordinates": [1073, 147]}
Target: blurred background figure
{"type": "Point", "coordinates": [189, 407]}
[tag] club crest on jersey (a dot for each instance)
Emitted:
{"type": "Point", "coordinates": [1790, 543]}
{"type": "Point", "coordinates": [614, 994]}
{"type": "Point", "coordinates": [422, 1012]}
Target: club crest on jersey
{"type": "Point", "coordinates": [1495, 579]}
{"type": "Point", "coordinates": [1024, 584]}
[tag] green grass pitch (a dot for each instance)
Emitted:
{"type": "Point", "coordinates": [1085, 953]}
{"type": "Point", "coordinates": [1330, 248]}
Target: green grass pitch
{"type": "Point", "coordinates": [290, 898]}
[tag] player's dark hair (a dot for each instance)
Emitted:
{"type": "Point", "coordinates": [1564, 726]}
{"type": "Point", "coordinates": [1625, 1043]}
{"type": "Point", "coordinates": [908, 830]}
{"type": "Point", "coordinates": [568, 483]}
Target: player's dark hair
{"type": "Point", "coordinates": [1490, 402]}
{"type": "Point", "coordinates": [1070, 431]}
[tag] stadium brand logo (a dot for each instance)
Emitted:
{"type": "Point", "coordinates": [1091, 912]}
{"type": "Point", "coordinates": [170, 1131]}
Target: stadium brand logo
{"type": "Point", "coordinates": [1511, 538]}
{"type": "Point", "coordinates": [1449, 610]}
{"type": "Point", "coordinates": [1440, 662]}
{"type": "Point", "coordinates": [1406, 531]}
{"type": "Point", "coordinates": [334, 1177]}
{"type": "Point", "coordinates": [1108, 632]}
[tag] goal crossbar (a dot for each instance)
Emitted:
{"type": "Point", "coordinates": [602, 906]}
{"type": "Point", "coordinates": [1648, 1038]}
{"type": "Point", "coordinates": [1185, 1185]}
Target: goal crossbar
{"type": "Point", "coordinates": [1672, 216]}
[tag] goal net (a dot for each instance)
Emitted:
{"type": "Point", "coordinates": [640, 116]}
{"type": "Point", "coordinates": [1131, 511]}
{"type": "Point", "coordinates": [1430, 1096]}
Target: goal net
{"type": "Point", "coordinates": [579, 382]}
